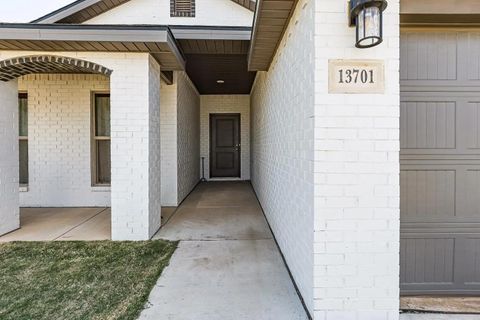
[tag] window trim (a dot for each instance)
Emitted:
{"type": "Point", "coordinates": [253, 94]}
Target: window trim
{"type": "Point", "coordinates": [23, 94]}
{"type": "Point", "coordinates": [182, 14]}
{"type": "Point", "coordinates": [94, 138]}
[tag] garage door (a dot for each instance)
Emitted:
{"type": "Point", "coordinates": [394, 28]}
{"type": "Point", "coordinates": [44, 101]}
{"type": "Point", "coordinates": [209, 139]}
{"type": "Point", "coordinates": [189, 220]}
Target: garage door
{"type": "Point", "coordinates": [440, 162]}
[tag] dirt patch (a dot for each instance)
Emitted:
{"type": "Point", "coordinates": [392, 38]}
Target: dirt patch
{"type": "Point", "coordinates": [441, 304]}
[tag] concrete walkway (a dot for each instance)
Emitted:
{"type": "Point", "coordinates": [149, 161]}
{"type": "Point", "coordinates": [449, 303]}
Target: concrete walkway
{"type": "Point", "coordinates": [227, 265]}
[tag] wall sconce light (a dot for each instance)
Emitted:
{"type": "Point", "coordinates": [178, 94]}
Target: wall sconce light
{"type": "Point", "coordinates": [367, 16]}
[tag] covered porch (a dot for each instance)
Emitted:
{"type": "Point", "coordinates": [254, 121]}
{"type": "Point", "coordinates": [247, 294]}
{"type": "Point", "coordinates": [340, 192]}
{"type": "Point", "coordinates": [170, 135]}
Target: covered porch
{"type": "Point", "coordinates": [94, 120]}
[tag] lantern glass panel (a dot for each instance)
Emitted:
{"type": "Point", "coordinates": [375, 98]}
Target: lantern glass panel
{"type": "Point", "coordinates": [369, 27]}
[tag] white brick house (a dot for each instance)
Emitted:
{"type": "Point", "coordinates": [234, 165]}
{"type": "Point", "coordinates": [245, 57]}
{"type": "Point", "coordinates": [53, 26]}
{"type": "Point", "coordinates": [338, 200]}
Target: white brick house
{"type": "Point", "coordinates": [365, 190]}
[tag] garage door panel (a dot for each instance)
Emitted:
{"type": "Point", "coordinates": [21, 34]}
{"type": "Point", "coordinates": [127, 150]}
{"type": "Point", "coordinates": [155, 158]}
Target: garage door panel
{"type": "Point", "coordinates": [473, 58]}
{"type": "Point", "coordinates": [472, 262]}
{"type": "Point", "coordinates": [428, 125]}
{"type": "Point", "coordinates": [442, 262]}
{"type": "Point", "coordinates": [472, 198]}
{"type": "Point", "coordinates": [440, 193]}
{"type": "Point", "coordinates": [429, 56]}
{"type": "Point", "coordinates": [427, 261]}
{"type": "Point", "coordinates": [427, 194]}
{"type": "Point", "coordinates": [440, 59]}
{"type": "Point", "coordinates": [435, 125]}
{"type": "Point", "coordinates": [473, 120]}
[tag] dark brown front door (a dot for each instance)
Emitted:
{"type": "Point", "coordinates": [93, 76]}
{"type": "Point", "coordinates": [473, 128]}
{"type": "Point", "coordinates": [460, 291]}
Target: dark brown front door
{"type": "Point", "coordinates": [224, 145]}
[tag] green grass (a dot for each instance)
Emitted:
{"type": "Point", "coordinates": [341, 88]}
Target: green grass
{"type": "Point", "coordinates": [79, 280]}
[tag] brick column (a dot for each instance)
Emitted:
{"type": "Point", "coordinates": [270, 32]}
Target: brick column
{"type": "Point", "coordinates": [9, 163]}
{"type": "Point", "coordinates": [135, 149]}
{"type": "Point", "coordinates": [356, 272]}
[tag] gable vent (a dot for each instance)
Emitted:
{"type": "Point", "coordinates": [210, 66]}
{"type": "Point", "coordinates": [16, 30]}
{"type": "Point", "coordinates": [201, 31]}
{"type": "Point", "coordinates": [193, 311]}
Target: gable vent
{"type": "Point", "coordinates": [182, 8]}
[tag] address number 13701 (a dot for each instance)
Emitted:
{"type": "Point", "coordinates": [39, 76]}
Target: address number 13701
{"type": "Point", "coordinates": [356, 76]}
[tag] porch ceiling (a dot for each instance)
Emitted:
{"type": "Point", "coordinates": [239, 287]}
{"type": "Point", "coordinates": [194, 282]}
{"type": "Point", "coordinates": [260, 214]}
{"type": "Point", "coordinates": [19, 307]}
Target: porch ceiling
{"type": "Point", "coordinates": [206, 69]}
{"type": "Point", "coordinates": [156, 40]}
{"type": "Point", "coordinates": [216, 53]}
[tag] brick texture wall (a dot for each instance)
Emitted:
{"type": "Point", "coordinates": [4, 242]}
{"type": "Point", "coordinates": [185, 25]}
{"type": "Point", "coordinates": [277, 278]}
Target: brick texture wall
{"type": "Point", "coordinates": [9, 201]}
{"type": "Point", "coordinates": [226, 104]}
{"type": "Point", "coordinates": [356, 176]}
{"type": "Point", "coordinates": [59, 115]}
{"type": "Point", "coordinates": [168, 128]}
{"type": "Point", "coordinates": [282, 146]}
{"type": "Point", "coordinates": [154, 176]}
{"type": "Point", "coordinates": [188, 136]}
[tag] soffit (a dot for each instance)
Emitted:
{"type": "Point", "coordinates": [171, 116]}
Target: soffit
{"type": "Point", "coordinates": [270, 22]}
{"type": "Point", "coordinates": [156, 40]}
{"type": "Point", "coordinates": [79, 11]}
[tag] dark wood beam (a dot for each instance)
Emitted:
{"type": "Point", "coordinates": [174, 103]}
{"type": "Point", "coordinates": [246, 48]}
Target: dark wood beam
{"type": "Point", "coordinates": [167, 76]}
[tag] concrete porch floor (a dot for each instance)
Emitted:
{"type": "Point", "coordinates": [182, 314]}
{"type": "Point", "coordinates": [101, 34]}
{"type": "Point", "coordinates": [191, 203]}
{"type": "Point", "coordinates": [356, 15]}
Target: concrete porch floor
{"type": "Point", "coordinates": [66, 224]}
{"type": "Point", "coordinates": [57, 224]}
{"type": "Point", "coordinates": [227, 265]}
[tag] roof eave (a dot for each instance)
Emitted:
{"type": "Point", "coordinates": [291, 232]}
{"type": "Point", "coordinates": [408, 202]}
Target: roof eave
{"type": "Point", "coordinates": [157, 40]}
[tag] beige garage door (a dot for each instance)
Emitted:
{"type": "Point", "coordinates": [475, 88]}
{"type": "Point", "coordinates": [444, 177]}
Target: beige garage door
{"type": "Point", "coordinates": [440, 162]}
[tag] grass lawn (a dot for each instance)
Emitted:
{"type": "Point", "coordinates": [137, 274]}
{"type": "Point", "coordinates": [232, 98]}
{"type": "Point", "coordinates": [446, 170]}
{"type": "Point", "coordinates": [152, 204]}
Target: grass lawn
{"type": "Point", "coordinates": [79, 280]}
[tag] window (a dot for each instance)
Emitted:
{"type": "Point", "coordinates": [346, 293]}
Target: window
{"type": "Point", "coordinates": [101, 175]}
{"type": "Point", "coordinates": [23, 137]}
{"type": "Point", "coordinates": [182, 8]}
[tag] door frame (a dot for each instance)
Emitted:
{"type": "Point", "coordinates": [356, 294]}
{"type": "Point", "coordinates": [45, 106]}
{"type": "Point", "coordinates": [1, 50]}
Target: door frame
{"type": "Point", "coordinates": [210, 143]}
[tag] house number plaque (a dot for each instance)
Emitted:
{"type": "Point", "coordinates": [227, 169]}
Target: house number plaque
{"type": "Point", "coordinates": [356, 76]}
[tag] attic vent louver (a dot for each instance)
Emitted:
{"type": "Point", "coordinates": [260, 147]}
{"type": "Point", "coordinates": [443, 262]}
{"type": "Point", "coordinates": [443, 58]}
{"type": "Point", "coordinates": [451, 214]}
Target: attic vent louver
{"type": "Point", "coordinates": [182, 8]}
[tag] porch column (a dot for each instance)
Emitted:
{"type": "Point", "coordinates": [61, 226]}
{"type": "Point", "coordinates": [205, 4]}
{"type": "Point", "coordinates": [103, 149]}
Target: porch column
{"type": "Point", "coordinates": [356, 272]}
{"type": "Point", "coordinates": [9, 158]}
{"type": "Point", "coordinates": [135, 148]}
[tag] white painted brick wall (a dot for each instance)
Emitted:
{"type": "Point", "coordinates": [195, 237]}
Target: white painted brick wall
{"type": "Point", "coordinates": [226, 104]}
{"type": "Point", "coordinates": [168, 128]}
{"type": "Point", "coordinates": [131, 83]}
{"type": "Point", "coordinates": [154, 152]}
{"type": "Point", "coordinates": [356, 177]}
{"type": "Point", "coordinates": [59, 111]}
{"type": "Point", "coordinates": [188, 135]}
{"type": "Point", "coordinates": [208, 13]}
{"type": "Point", "coordinates": [282, 146]}
{"type": "Point", "coordinates": [9, 167]}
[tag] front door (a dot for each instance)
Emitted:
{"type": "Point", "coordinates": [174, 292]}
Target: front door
{"type": "Point", "coordinates": [224, 145]}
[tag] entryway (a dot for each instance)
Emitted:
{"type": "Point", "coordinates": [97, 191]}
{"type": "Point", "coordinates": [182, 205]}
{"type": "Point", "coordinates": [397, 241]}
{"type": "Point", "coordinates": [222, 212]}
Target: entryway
{"type": "Point", "coordinates": [227, 265]}
{"type": "Point", "coordinates": [225, 145]}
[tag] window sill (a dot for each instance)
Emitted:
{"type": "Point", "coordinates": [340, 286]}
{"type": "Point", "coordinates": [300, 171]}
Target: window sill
{"type": "Point", "coordinates": [23, 189]}
{"type": "Point", "coordinates": [101, 188]}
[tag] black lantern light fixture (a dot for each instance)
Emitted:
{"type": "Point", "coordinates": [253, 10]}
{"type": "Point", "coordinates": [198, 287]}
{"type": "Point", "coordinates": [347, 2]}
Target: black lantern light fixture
{"type": "Point", "coordinates": [367, 16]}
